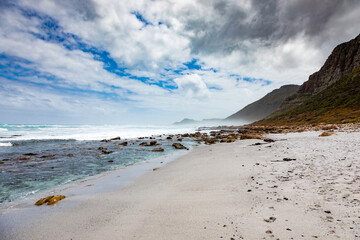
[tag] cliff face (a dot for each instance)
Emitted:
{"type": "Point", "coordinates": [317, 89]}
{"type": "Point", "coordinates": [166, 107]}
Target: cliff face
{"type": "Point", "coordinates": [344, 59]}
{"type": "Point", "coordinates": [331, 95]}
{"type": "Point", "coordinates": [265, 106]}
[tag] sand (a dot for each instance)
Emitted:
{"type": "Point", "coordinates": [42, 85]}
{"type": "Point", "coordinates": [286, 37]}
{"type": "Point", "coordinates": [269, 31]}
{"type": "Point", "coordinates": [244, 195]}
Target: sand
{"type": "Point", "coordinates": [223, 191]}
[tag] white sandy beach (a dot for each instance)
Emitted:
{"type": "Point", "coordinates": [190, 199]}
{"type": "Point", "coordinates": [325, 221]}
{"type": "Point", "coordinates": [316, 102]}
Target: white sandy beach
{"type": "Point", "coordinates": [223, 191]}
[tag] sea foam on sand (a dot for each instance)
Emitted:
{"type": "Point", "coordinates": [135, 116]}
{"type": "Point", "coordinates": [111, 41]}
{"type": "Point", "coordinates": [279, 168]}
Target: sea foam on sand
{"type": "Point", "coordinates": [229, 191]}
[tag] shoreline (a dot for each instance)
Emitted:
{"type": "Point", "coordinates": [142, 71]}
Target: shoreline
{"type": "Point", "coordinates": [23, 211]}
{"type": "Point", "coordinates": [239, 190]}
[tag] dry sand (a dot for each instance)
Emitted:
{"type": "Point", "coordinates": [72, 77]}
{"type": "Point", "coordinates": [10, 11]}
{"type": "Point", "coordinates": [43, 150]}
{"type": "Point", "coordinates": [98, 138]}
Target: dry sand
{"type": "Point", "coordinates": [226, 191]}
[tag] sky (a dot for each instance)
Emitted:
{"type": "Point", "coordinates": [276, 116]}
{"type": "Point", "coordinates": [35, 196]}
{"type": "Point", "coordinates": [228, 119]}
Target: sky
{"type": "Point", "coordinates": [158, 61]}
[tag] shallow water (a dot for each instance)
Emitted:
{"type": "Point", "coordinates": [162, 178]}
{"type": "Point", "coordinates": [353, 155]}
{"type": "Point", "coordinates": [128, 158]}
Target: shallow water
{"type": "Point", "coordinates": [30, 166]}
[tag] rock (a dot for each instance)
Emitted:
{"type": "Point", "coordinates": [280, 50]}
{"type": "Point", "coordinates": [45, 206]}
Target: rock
{"type": "Point", "coordinates": [270, 219]}
{"type": "Point", "coordinates": [124, 143]}
{"type": "Point", "coordinates": [101, 148]}
{"type": "Point", "coordinates": [111, 161]}
{"type": "Point", "coordinates": [268, 140]}
{"type": "Point", "coordinates": [115, 139]}
{"type": "Point", "coordinates": [154, 169]}
{"type": "Point", "coordinates": [249, 136]}
{"type": "Point", "coordinates": [106, 152]}
{"type": "Point", "coordinates": [70, 155]}
{"type": "Point", "coordinates": [179, 139]}
{"type": "Point", "coordinates": [289, 159]}
{"type": "Point", "coordinates": [55, 199]}
{"type": "Point", "coordinates": [209, 141]}
{"type": "Point", "coordinates": [153, 143]}
{"type": "Point", "coordinates": [43, 200]}
{"type": "Point", "coordinates": [169, 138]}
{"type": "Point", "coordinates": [30, 154]}
{"type": "Point", "coordinates": [158, 150]}
{"type": "Point", "coordinates": [105, 140]}
{"type": "Point", "coordinates": [179, 146]}
{"type": "Point", "coordinates": [47, 156]}
{"type": "Point", "coordinates": [326, 134]}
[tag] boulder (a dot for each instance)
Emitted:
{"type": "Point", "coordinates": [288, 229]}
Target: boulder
{"type": "Point", "coordinates": [179, 146]}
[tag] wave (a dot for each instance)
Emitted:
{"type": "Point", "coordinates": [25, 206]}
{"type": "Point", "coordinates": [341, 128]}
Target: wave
{"type": "Point", "coordinates": [86, 132]}
{"type": "Point", "coordinates": [5, 144]}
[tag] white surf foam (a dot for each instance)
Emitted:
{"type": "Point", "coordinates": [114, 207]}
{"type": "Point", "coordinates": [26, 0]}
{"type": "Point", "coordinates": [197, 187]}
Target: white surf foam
{"type": "Point", "coordinates": [6, 144]}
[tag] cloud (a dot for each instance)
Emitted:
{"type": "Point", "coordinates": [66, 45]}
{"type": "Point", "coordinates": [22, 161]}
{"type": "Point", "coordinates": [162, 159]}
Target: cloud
{"type": "Point", "coordinates": [192, 86]}
{"type": "Point", "coordinates": [161, 60]}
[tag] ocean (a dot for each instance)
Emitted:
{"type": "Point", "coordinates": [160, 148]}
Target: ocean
{"type": "Point", "coordinates": [35, 158]}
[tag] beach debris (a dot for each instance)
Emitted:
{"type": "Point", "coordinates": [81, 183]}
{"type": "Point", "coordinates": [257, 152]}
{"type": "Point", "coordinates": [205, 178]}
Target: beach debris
{"type": "Point", "coordinates": [326, 134]}
{"type": "Point", "coordinates": [158, 150]}
{"type": "Point", "coordinates": [289, 159]}
{"type": "Point", "coordinates": [270, 219]}
{"type": "Point", "coordinates": [179, 146]}
{"type": "Point", "coordinates": [289, 229]}
{"type": "Point", "coordinates": [50, 200]}
{"type": "Point", "coordinates": [154, 169]}
{"type": "Point", "coordinates": [111, 161]}
{"type": "Point", "coordinates": [327, 211]}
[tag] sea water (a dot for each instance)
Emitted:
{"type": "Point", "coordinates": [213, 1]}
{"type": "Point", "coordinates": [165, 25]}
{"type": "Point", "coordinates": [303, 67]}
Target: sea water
{"type": "Point", "coordinates": [35, 158]}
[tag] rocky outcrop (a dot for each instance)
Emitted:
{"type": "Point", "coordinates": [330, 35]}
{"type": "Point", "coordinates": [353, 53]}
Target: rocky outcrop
{"type": "Point", "coordinates": [344, 59]}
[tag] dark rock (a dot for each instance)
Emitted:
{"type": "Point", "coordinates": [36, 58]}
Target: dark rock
{"type": "Point", "coordinates": [47, 156]}
{"type": "Point", "coordinates": [30, 154]}
{"type": "Point", "coordinates": [169, 138]}
{"type": "Point", "coordinates": [115, 139]}
{"type": "Point", "coordinates": [268, 140]}
{"type": "Point", "coordinates": [179, 146]}
{"type": "Point", "coordinates": [106, 152]}
{"type": "Point", "coordinates": [70, 155]}
{"type": "Point", "coordinates": [289, 159]}
{"type": "Point", "coordinates": [111, 161]}
{"type": "Point", "coordinates": [124, 143]}
{"type": "Point", "coordinates": [101, 148]}
{"type": "Point", "coordinates": [105, 140]}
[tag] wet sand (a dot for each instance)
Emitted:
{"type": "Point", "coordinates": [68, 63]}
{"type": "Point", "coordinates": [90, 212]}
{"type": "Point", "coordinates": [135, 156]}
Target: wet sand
{"type": "Point", "coordinates": [224, 191]}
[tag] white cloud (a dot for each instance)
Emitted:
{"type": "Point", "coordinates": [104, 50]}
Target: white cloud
{"type": "Point", "coordinates": [210, 31]}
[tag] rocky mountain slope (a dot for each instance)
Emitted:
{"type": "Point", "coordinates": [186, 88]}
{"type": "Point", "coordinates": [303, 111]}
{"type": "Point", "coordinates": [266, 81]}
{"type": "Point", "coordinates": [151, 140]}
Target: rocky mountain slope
{"type": "Point", "coordinates": [331, 95]}
{"type": "Point", "coordinates": [264, 106]}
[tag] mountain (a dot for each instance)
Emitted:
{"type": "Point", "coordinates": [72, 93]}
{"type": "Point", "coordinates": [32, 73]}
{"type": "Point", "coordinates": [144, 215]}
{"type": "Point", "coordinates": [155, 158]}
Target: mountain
{"type": "Point", "coordinates": [331, 95]}
{"type": "Point", "coordinates": [264, 106]}
{"type": "Point", "coordinates": [210, 121]}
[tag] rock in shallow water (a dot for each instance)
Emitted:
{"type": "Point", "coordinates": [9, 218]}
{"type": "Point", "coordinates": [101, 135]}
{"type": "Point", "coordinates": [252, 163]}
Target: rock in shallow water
{"type": "Point", "coordinates": [179, 146]}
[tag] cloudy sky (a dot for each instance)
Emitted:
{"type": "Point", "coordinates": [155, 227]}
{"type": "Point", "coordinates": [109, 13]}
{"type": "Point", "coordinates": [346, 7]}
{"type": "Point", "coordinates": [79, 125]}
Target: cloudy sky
{"type": "Point", "coordinates": [158, 61]}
